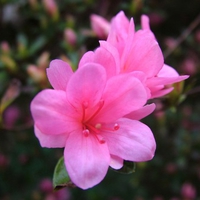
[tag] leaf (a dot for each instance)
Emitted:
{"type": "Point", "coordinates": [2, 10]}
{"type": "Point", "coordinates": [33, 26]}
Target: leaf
{"type": "Point", "coordinates": [37, 45]}
{"type": "Point", "coordinates": [128, 168]}
{"type": "Point", "coordinates": [60, 177]}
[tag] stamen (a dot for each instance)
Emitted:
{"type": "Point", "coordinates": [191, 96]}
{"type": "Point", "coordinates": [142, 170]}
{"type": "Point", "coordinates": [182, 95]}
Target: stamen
{"type": "Point", "coordinates": [98, 126]}
{"type": "Point", "coordinates": [86, 132]}
{"type": "Point", "coordinates": [100, 139]}
{"type": "Point", "coordinates": [116, 127]}
{"type": "Point", "coordinates": [107, 128]}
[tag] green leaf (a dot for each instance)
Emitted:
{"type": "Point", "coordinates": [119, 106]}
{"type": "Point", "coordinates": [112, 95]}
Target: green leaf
{"type": "Point", "coordinates": [128, 168]}
{"type": "Point", "coordinates": [37, 45]}
{"type": "Point", "coordinates": [60, 177]}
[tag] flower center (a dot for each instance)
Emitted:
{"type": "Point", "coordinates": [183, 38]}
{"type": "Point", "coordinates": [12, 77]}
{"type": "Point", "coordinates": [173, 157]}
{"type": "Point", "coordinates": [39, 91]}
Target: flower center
{"type": "Point", "coordinates": [95, 129]}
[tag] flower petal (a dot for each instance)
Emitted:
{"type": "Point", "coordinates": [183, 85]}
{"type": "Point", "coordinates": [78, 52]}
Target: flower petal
{"type": "Point", "coordinates": [86, 160]}
{"type": "Point", "coordinates": [142, 53]}
{"type": "Point", "coordinates": [86, 85]}
{"type": "Point", "coordinates": [50, 141]}
{"type": "Point", "coordinates": [145, 22]}
{"type": "Point", "coordinates": [133, 141]}
{"type": "Point", "coordinates": [52, 113]}
{"type": "Point", "coordinates": [88, 57]}
{"type": "Point", "coordinates": [58, 74]}
{"type": "Point", "coordinates": [119, 28]}
{"type": "Point", "coordinates": [142, 112]}
{"type": "Point", "coordinates": [123, 94]}
{"type": "Point", "coordinates": [116, 162]}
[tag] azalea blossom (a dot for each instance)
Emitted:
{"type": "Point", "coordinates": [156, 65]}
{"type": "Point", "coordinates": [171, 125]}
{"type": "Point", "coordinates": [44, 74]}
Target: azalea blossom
{"type": "Point", "coordinates": [138, 52]}
{"type": "Point", "coordinates": [85, 113]}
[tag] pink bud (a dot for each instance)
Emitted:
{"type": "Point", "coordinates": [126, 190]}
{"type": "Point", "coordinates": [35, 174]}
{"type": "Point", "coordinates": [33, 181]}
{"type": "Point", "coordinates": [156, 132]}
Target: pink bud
{"type": "Point", "coordinates": [170, 42]}
{"type": "Point", "coordinates": [70, 36]}
{"type": "Point", "coordinates": [51, 7]}
{"type": "Point", "coordinates": [100, 26]}
{"type": "Point", "coordinates": [11, 115]}
{"type": "Point", "coordinates": [43, 60]}
{"type": "Point", "coordinates": [46, 185]}
{"type": "Point", "coordinates": [188, 191]}
{"type": "Point", "coordinates": [5, 47]}
{"type": "Point", "coordinates": [189, 66]}
{"type": "Point", "coordinates": [155, 19]}
{"type": "Point", "coordinates": [38, 75]}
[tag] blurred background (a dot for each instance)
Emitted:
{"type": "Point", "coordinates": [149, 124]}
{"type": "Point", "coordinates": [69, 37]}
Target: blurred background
{"type": "Point", "coordinates": [33, 32]}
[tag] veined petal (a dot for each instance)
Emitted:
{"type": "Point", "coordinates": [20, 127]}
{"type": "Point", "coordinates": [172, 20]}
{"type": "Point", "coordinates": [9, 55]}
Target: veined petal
{"type": "Point", "coordinates": [52, 113]}
{"type": "Point", "coordinates": [142, 112]}
{"type": "Point", "coordinates": [59, 74]}
{"type": "Point", "coordinates": [88, 57]}
{"type": "Point", "coordinates": [123, 94]}
{"type": "Point", "coordinates": [142, 54]}
{"type": "Point", "coordinates": [133, 141]}
{"type": "Point", "coordinates": [86, 160]}
{"type": "Point", "coordinates": [119, 28]}
{"type": "Point", "coordinates": [115, 54]}
{"type": "Point", "coordinates": [86, 85]}
{"type": "Point", "coordinates": [106, 59]}
{"type": "Point", "coordinates": [50, 141]}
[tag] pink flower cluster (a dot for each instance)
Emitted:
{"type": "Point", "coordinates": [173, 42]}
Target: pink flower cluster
{"type": "Point", "coordinates": [94, 112]}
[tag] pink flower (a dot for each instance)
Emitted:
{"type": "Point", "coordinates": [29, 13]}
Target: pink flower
{"type": "Point", "coordinates": [84, 113]}
{"type": "Point", "coordinates": [100, 26]}
{"type": "Point", "coordinates": [138, 52]}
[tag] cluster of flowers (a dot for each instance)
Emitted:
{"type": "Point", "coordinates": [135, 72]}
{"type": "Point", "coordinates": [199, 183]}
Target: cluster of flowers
{"type": "Point", "coordinates": [94, 112]}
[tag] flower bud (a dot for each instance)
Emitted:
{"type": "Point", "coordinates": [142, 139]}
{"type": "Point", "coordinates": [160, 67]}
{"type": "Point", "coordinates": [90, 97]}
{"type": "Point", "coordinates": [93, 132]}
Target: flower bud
{"type": "Point", "coordinates": [189, 66]}
{"type": "Point", "coordinates": [100, 26]}
{"type": "Point", "coordinates": [51, 7]}
{"type": "Point", "coordinates": [188, 191]}
{"type": "Point", "coordinates": [38, 75]}
{"type": "Point", "coordinates": [5, 48]}
{"type": "Point", "coordinates": [70, 36]}
{"type": "Point", "coordinates": [43, 60]}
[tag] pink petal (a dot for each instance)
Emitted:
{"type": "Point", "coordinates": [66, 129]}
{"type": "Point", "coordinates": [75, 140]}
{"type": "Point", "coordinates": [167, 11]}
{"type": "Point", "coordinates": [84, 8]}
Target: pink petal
{"type": "Point", "coordinates": [106, 59]}
{"type": "Point", "coordinates": [167, 71]}
{"type": "Point", "coordinates": [52, 113]}
{"type": "Point", "coordinates": [116, 162]}
{"type": "Point", "coordinates": [145, 22]}
{"type": "Point", "coordinates": [88, 57]}
{"type": "Point", "coordinates": [123, 94]}
{"type": "Point", "coordinates": [113, 51]}
{"type": "Point", "coordinates": [86, 85]}
{"type": "Point", "coordinates": [119, 28]}
{"type": "Point", "coordinates": [142, 54]}
{"type": "Point", "coordinates": [133, 141]}
{"type": "Point", "coordinates": [160, 93]}
{"type": "Point", "coordinates": [86, 160]}
{"type": "Point", "coordinates": [59, 74]}
{"type": "Point", "coordinates": [142, 112]}
{"type": "Point", "coordinates": [50, 141]}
